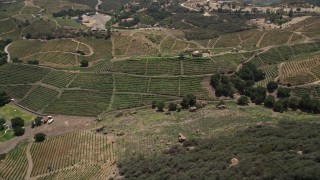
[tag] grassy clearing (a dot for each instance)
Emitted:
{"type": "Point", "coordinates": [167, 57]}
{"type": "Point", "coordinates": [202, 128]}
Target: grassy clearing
{"type": "Point", "coordinates": [6, 137]}
{"type": "Point", "coordinates": [9, 112]}
{"type": "Point", "coordinates": [68, 22]}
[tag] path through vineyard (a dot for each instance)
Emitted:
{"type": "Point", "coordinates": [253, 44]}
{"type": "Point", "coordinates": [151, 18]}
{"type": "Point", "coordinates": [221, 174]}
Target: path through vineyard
{"type": "Point", "coordinates": [30, 162]}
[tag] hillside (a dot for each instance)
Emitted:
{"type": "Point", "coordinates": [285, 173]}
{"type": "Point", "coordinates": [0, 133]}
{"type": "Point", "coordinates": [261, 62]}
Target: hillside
{"type": "Point", "coordinates": [264, 150]}
{"type": "Point", "coordinates": [160, 89]}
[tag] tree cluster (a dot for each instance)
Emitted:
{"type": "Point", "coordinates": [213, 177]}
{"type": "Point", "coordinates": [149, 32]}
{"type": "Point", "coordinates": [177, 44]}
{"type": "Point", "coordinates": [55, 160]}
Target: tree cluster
{"type": "Point", "coordinates": [189, 100]}
{"type": "Point", "coordinates": [242, 82]}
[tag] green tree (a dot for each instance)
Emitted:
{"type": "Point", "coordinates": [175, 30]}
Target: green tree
{"type": "Point", "coordinates": [193, 99]}
{"type": "Point", "coordinates": [269, 101]}
{"type": "Point", "coordinates": [293, 103]}
{"type": "Point", "coordinates": [28, 36]}
{"type": "Point", "coordinates": [258, 95]}
{"type": "Point", "coordinates": [84, 63]}
{"type": "Point", "coordinates": [39, 137]}
{"type": "Point", "coordinates": [278, 107]}
{"type": "Point", "coordinates": [283, 92]}
{"type": "Point", "coordinates": [172, 107]}
{"type": "Point", "coordinates": [38, 121]}
{"type": "Point", "coordinates": [185, 102]}
{"type": "Point", "coordinates": [18, 131]}
{"type": "Point", "coordinates": [290, 14]}
{"type": "Point", "coordinates": [4, 98]}
{"type": "Point", "coordinates": [17, 122]}
{"type": "Point", "coordinates": [160, 105]}
{"type": "Point", "coordinates": [272, 86]}
{"type": "Point", "coordinates": [243, 100]}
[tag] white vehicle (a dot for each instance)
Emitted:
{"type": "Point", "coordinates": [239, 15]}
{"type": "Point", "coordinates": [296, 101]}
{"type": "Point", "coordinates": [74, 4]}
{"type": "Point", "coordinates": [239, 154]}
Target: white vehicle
{"type": "Point", "coordinates": [50, 121]}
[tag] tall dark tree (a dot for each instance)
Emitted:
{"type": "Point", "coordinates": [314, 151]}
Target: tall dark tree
{"type": "Point", "coordinates": [17, 122]}
{"type": "Point", "coordinates": [272, 86]}
{"type": "Point", "coordinates": [4, 98]}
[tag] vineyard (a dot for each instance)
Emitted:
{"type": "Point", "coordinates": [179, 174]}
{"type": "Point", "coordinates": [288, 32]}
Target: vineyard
{"type": "Point", "coordinates": [299, 72]}
{"type": "Point", "coordinates": [39, 98]}
{"type": "Point", "coordinates": [94, 171]}
{"type": "Point", "coordinates": [53, 52]}
{"type": "Point", "coordinates": [71, 150]}
{"type": "Point", "coordinates": [271, 72]}
{"type": "Point", "coordinates": [79, 103]}
{"type": "Point", "coordinates": [21, 74]}
{"type": "Point", "coordinates": [15, 165]}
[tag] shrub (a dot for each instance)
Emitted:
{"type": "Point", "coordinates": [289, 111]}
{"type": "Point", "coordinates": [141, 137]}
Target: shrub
{"type": "Point", "coordinates": [84, 63]}
{"type": "Point", "coordinates": [3, 156]}
{"type": "Point", "coordinates": [34, 62]}
{"type": "Point", "coordinates": [154, 104]}
{"type": "Point", "coordinates": [279, 106]}
{"type": "Point", "coordinates": [172, 107]}
{"type": "Point", "coordinates": [269, 102]}
{"type": "Point", "coordinates": [293, 103]}
{"type": "Point", "coordinates": [39, 137]}
{"type": "Point", "coordinates": [160, 105]}
{"type": "Point", "coordinates": [188, 100]}
{"type": "Point", "coordinates": [243, 100]}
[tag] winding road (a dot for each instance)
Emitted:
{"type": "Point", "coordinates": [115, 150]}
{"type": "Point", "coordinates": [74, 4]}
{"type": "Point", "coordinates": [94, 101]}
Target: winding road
{"type": "Point", "coordinates": [6, 51]}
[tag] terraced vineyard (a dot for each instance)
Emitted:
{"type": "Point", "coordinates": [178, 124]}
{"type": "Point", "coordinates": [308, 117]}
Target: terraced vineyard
{"type": "Point", "coordinates": [21, 74]}
{"type": "Point", "coordinates": [39, 98]}
{"type": "Point", "coordinates": [59, 79]}
{"type": "Point", "coordinates": [291, 72]}
{"type": "Point", "coordinates": [124, 101]}
{"type": "Point", "coordinates": [79, 103]}
{"type": "Point", "coordinates": [15, 165]}
{"type": "Point", "coordinates": [69, 151]}
{"type": "Point", "coordinates": [53, 52]}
